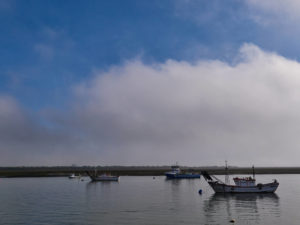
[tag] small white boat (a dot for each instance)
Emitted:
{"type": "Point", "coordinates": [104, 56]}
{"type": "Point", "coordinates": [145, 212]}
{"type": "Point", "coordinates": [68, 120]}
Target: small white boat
{"type": "Point", "coordinates": [242, 185]}
{"type": "Point", "coordinates": [73, 176]}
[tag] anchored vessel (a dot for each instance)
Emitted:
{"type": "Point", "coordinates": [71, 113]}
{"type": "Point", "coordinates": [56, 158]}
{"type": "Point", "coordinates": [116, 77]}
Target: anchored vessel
{"type": "Point", "coordinates": [103, 177]}
{"type": "Point", "coordinates": [176, 174]}
{"type": "Point", "coordinates": [72, 176]}
{"type": "Point", "coordinates": [242, 185]}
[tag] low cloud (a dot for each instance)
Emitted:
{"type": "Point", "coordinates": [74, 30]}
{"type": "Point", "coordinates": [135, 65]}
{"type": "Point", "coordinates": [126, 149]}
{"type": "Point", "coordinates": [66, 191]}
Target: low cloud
{"type": "Point", "coordinates": [276, 10]}
{"type": "Point", "coordinates": [198, 114]}
{"type": "Point", "coordinates": [277, 6]}
{"type": "Point", "coordinates": [27, 139]}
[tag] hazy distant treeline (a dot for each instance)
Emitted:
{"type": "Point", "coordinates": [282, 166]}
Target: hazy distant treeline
{"type": "Point", "coordinates": [134, 170]}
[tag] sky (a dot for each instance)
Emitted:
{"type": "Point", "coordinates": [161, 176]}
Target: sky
{"type": "Point", "coordinates": [141, 82]}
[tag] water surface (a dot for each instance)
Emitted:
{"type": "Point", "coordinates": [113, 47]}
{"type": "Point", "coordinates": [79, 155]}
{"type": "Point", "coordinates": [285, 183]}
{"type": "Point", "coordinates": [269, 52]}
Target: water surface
{"type": "Point", "coordinates": [143, 200]}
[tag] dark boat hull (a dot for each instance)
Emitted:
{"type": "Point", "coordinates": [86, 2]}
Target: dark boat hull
{"type": "Point", "coordinates": [182, 176]}
{"type": "Point", "coordinates": [100, 178]}
{"type": "Point", "coordinates": [95, 177]}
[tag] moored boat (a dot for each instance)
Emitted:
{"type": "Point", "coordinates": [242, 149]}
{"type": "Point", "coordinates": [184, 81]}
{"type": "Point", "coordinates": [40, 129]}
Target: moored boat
{"type": "Point", "coordinates": [103, 177]}
{"type": "Point", "coordinates": [73, 176]}
{"type": "Point", "coordinates": [177, 174]}
{"type": "Point", "coordinates": [242, 185]}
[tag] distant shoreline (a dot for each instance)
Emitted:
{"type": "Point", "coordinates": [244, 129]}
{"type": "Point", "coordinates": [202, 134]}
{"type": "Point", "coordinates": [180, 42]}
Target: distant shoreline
{"type": "Point", "coordinates": [10, 172]}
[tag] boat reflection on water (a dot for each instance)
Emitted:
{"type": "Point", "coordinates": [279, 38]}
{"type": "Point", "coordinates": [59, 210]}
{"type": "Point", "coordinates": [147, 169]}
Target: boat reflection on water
{"type": "Point", "coordinates": [180, 183]}
{"type": "Point", "coordinates": [250, 208]}
{"type": "Point", "coordinates": [96, 185]}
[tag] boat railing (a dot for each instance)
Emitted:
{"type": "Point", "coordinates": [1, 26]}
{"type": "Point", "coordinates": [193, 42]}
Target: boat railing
{"type": "Point", "coordinates": [210, 177]}
{"type": "Point", "coordinates": [220, 181]}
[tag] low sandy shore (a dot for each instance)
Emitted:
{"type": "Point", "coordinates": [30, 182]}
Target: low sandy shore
{"type": "Point", "coordinates": [135, 170]}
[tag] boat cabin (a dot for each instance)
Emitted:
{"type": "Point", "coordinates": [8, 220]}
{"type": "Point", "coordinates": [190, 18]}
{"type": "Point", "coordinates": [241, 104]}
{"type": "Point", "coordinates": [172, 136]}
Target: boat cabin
{"type": "Point", "coordinates": [244, 181]}
{"type": "Point", "coordinates": [175, 169]}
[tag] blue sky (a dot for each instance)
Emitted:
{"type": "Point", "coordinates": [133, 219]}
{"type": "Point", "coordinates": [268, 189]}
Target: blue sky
{"type": "Point", "coordinates": [75, 75]}
{"type": "Point", "coordinates": [47, 46]}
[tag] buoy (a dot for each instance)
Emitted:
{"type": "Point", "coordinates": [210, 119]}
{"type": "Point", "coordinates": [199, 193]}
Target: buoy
{"type": "Point", "coordinates": [232, 221]}
{"type": "Point", "coordinates": [153, 178]}
{"type": "Point", "coordinates": [200, 191]}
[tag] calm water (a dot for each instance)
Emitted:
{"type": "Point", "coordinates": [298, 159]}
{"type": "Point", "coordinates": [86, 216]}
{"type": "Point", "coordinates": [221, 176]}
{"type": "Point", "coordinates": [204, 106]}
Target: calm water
{"type": "Point", "coordinates": [143, 200]}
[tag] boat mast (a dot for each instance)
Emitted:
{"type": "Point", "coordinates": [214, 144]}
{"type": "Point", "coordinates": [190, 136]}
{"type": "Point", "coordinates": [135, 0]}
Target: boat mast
{"type": "Point", "coordinates": [253, 172]}
{"type": "Point", "coordinates": [226, 173]}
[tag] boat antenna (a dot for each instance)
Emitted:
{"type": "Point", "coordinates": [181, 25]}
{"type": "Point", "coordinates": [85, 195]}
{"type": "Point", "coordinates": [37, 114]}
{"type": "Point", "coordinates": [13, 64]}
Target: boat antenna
{"type": "Point", "coordinates": [226, 173]}
{"type": "Point", "coordinates": [253, 172]}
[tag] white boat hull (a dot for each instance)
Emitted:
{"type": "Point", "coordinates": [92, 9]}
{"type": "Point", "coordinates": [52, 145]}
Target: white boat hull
{"type": "Point", "coordinates": [73, 176]}
{"type": "Point", "coordinates": [260, 188]}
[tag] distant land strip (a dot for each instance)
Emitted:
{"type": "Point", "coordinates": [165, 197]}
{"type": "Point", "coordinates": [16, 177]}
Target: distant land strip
{"type": "Point", "coordinates": [134, 170]}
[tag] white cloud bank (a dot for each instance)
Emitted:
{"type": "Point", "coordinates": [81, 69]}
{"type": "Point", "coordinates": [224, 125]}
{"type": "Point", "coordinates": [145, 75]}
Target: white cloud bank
{"type": "Point", "coordinates": [277, 6]}
{"type": "Point", "coordinates": [278, 10]}
{"type": "Point", "coordinates": [197, 114]}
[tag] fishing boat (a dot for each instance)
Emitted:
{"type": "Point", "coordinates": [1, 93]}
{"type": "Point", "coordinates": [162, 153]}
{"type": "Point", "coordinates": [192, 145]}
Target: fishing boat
{"type": "Point", "coordinates": [103, 177]}
{"type": "Point", "coordinates": [241, 185]}
{"type": "Point", "coordinates": [177, 174]}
